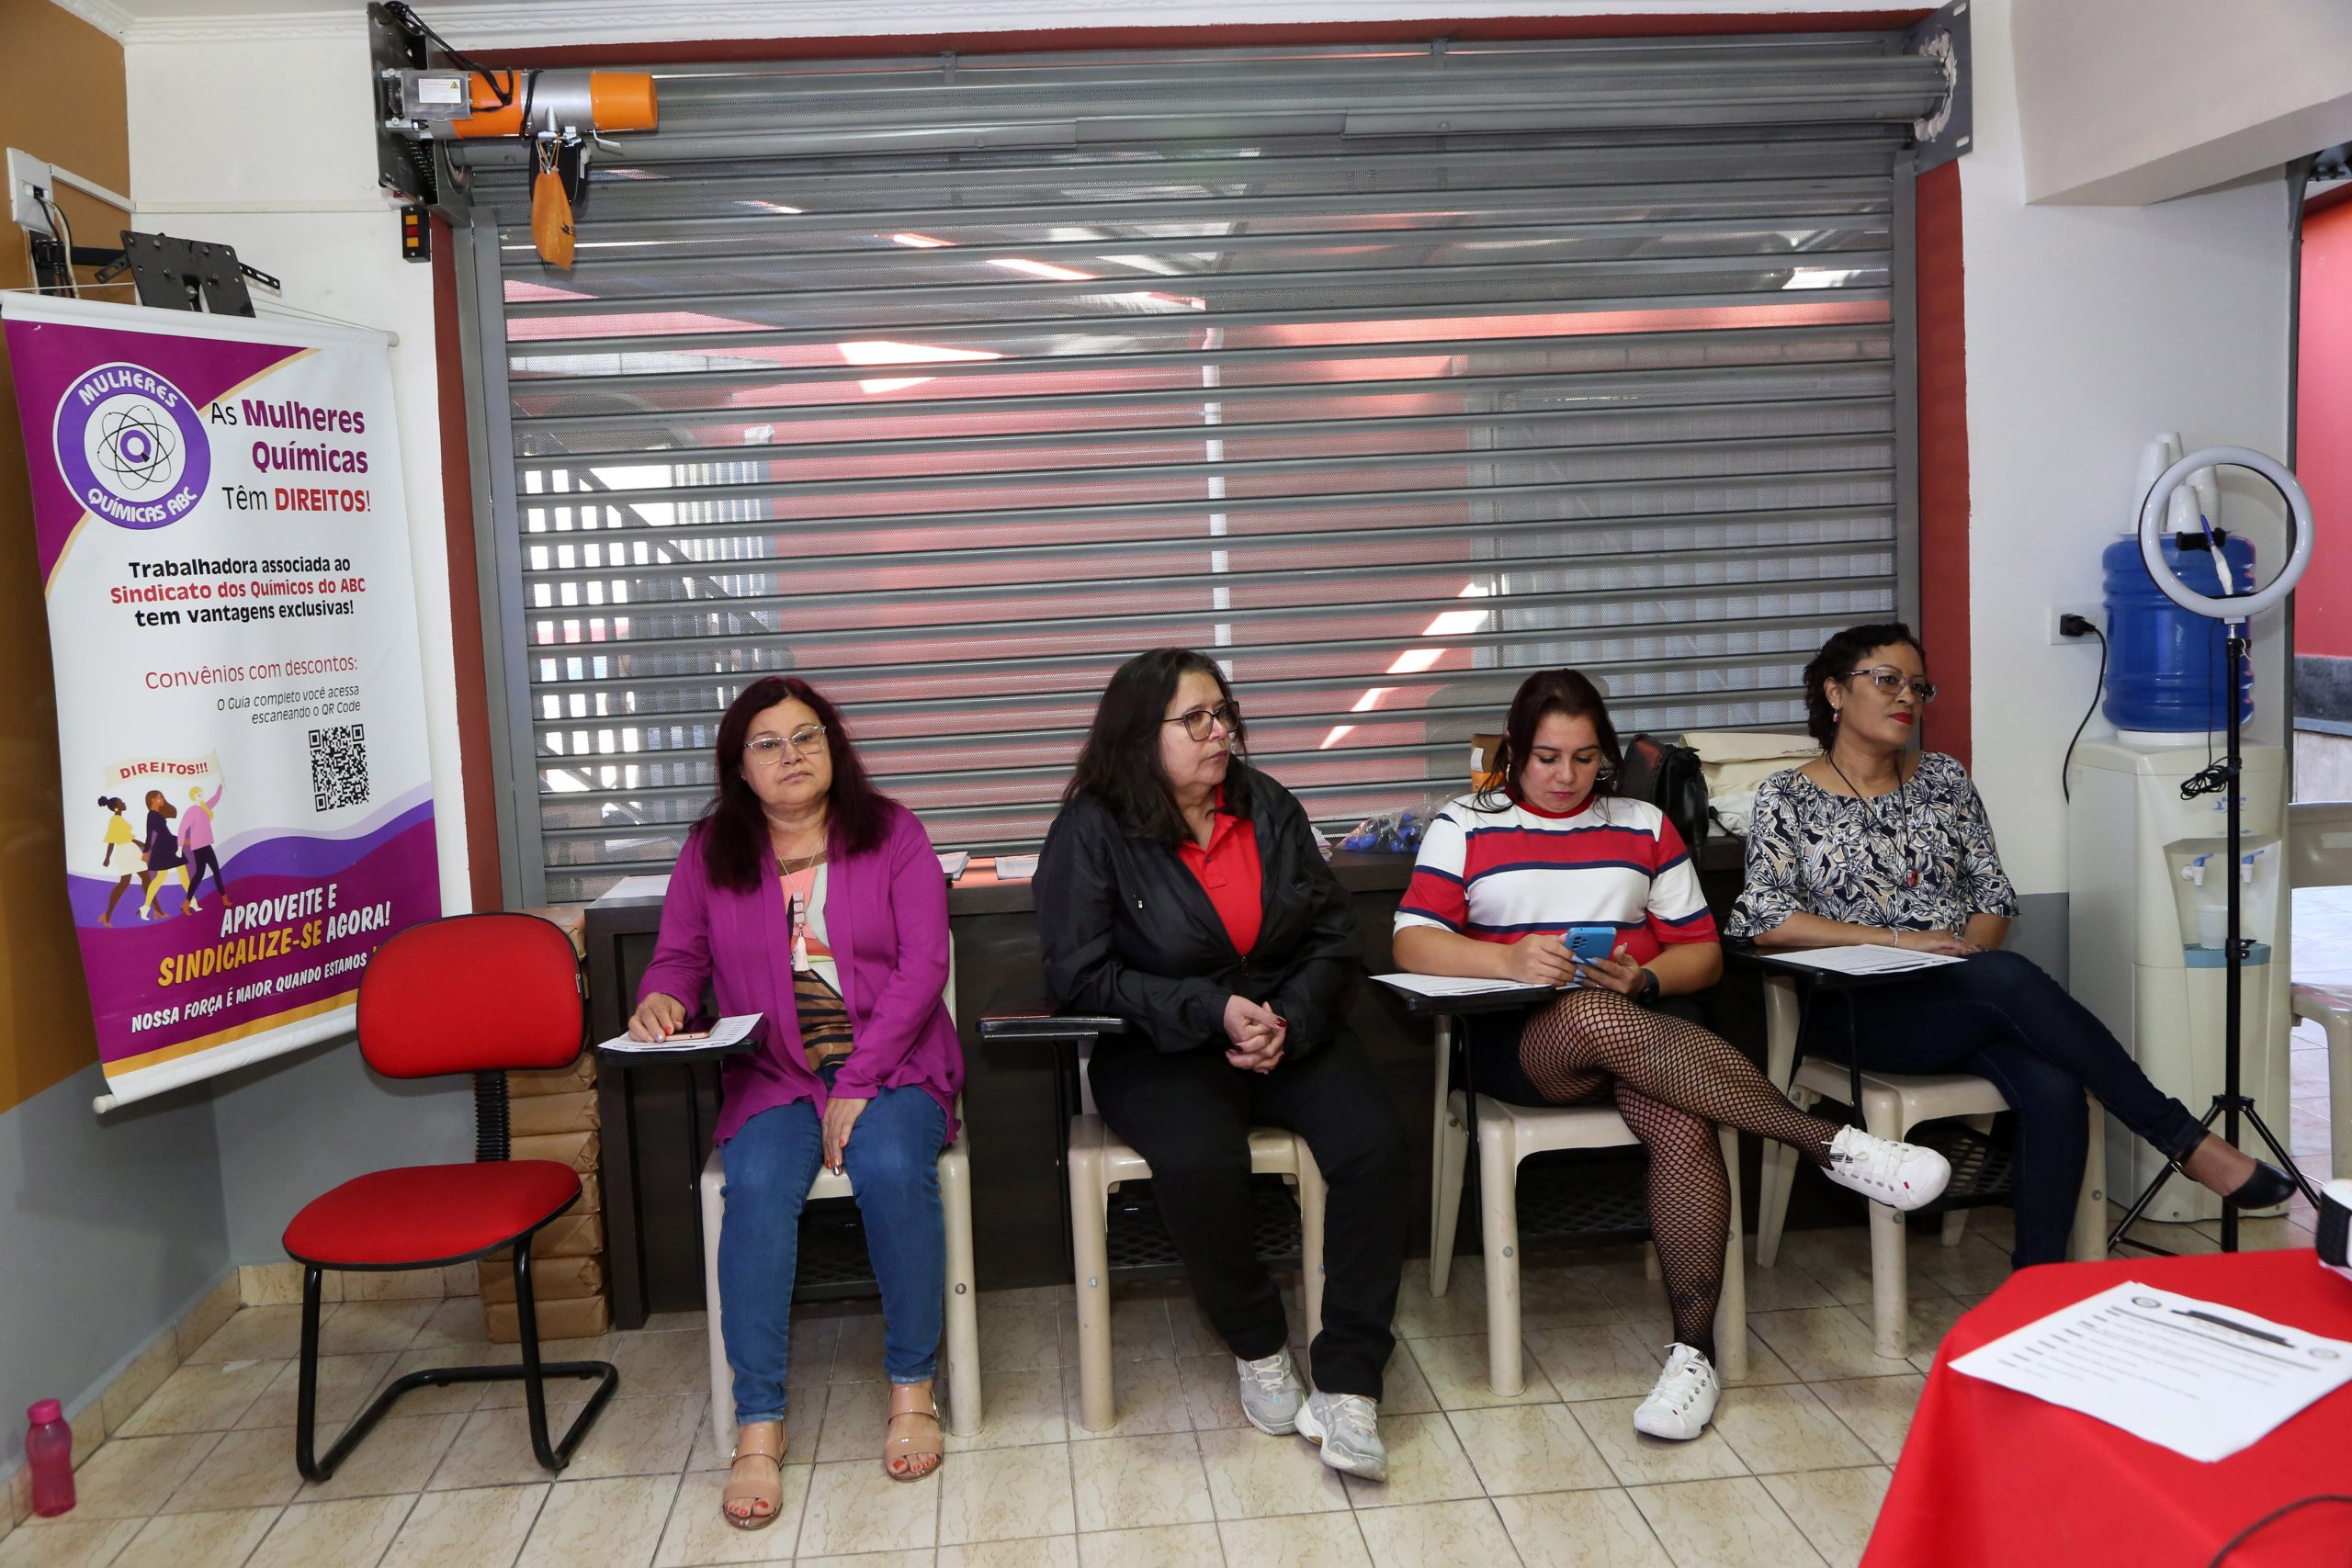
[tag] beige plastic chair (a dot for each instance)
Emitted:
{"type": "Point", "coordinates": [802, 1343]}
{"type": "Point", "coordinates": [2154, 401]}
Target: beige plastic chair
{"type": "Point", "coordinates": [1099, 1164]}
{"type": "Point", "coordinates": [2319, 843]}
{"type": "Point", "coordinates": [959, 1349]}
{"type": "Point", "coordinates": [1507, 1134]}
{"type": "Point", "coordinates": [1893, 1103]}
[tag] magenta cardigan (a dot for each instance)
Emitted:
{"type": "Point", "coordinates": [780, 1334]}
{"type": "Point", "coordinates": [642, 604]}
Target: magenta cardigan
{"type": "Point", "coordinates": [886, 919]}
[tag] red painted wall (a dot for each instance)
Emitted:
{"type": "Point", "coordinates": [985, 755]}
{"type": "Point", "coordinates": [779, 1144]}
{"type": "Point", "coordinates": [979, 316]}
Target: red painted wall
{"type": "Point", "coordinates": [2324, 429]}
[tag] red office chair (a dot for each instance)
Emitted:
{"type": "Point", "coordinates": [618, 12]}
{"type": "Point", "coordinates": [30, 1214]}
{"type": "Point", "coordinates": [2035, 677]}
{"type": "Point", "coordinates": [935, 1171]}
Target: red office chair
{"type": "Point", "coordinates": [480, 994]}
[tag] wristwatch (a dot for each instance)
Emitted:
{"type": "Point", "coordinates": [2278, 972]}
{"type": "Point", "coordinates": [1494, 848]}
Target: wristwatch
{"type": "Point", "coordinates": [1649, 988]}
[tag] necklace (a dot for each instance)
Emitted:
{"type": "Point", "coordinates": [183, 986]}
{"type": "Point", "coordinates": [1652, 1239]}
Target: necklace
{"type": "Point", "coordinates": [1902, 815]}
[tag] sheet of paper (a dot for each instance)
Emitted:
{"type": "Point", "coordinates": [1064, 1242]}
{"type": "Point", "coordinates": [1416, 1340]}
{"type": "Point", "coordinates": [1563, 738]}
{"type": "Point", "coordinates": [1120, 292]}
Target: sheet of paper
{"type": "Point", "coordinates": [1015, 868]}
{"type": "Point", "coordinates": [1446, 984]}
{"type": "Point", "coordinates": [953, 862]}
{"type": "Point", "coordinates": [1870, 960]}
{"type": "Point", "coordinates": [2198, 1378]}
{"type": "Point", "coordinates": [727, 1031]}
{"type": "Point", "coordinates": [633, 888]}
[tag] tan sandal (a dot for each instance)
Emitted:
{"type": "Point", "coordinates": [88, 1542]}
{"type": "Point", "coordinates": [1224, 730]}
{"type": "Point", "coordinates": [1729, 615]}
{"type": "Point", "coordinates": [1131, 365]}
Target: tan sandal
{"type": "Point", "coordinates": [742, 1501]}
{"type": "Point", "coordinates": [914, 1452]}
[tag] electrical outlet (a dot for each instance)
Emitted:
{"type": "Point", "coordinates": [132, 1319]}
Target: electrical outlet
{"type": "Point", "coordinates": [26, 174]}
{"type": "Point", "coordinates": [2095, 613]}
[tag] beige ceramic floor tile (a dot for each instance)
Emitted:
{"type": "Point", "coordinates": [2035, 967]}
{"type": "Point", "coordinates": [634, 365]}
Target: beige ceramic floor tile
{"type": "Point", "coordinates": [509, 1393]}
{"type": "Point", "coordinates": [640, 1436]}
{"type": "Point", "coordinates": [1455, 1367]}
{"type": "Point", "coordinates": [856, 1507]}
{"type": "Point", "coordinates": [132, 1477]}
{"type": "Point", "coordinates": [926, 1557]}
{"type": "Point", "coordinates": [482, 1528]}
{"type": "Point", "coordinates": [245, 1470]}
{"type": "Point", "coordinates": [651, 1364]}
{"type": "Point", "coordinates": [493, 1449]}
{"type": "Point", "coordinates": [1573, 1296]}
{"type": "Point", "coordinates": [854, 1422]}
{"type": "Point", "coordinates": [208, 1397]}
{"type": "Point", "coordinates": [197, 1541]}
{"type": "Point", "coordinates": [1763, 1366]}
{"type": "Point", "coordinates": [1426, 1464]}
{"type": "Point", "coordinates": [1126, 1482]}
{"type": "Point", "coordinates": [333, 1535]}
{"type": "Point", "coordinates": [1877, 1410]}
{"type": "Point", "coordinates": [1530, 1448]}
{"type": "Point", "coordinates": [255, 1334]}
{"type": "Point", "coordinates": [399, 1456]}
{"type": "Point", "coordinates": [1837, 1259]}
{"type": "Point", "coordinates": [1020, 1408]}
{"type": "Point", "coordinates": [1784, 1290]}
{"type": "Point", "coordinates": [363, 1329]}
{"type": "Point", "coordinates": [1151, 1397]}
{"type": "Point", "coordinates": [1461, 1310]}
{"type": "Point", "coordinates": [1039, 1551]}
{"type": "Point", "coordinates": [1925, 1321]}
{"type": "Point", "coordinates": [1013, 1339]}
{"type": "Point", "coordinates": [1775, 1429]}
{"type": "Point", "coordinates": [601, 1524]}
{"type": "Point", "coordinates": [454, 1324]}
{"type": "Point", "coordinates": [1006, 1493]}
{"type": "Point", "coordinates": [1596, 1361]}
{"type": "Point", "coordinates": [1421, 1534]}
{"type": "Point", "coordinates": [1403, 1390]}
{"type": "Point", "coordinates": [346, 1383]}
{"type": "Point", "coordinates": [1161, 1546]}
{"type": "Point", "coordinates": [1580, 1529]}
{"type": "Point", "coordinates": [1975, 1264]}
{"type": "Point", "coordinates": [698, 1531]}
{"type": "Point", "coordinates": [676, 1323]}
{"type": "Point", "coordinates": [1824, 1343]}
{"type": "Point", "coordinates": [1723, 1524]}
{"type": "Point", "coordinates": [1834, 1508]}
{"type": "Point", "coordinates": [1141, 1331]}
{"type": "Point", "coordinates": [71, 1542]}
{"type": "Point", "coordinates": [1190, 1331]}
{"type": "Point", "coordinates": [1328, 1540]}
{"type": "Point", "coordinates": [448, 1399]}
{"type": "Point", "coordinates": [1640, 1461]}
{"type": "Point", "coordinates": [1253, 1477]}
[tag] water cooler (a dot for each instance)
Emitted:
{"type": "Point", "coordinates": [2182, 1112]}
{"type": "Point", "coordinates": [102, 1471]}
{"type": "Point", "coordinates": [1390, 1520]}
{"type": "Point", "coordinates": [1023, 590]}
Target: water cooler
{"type": "Point", "coordinates": [2144, 933]}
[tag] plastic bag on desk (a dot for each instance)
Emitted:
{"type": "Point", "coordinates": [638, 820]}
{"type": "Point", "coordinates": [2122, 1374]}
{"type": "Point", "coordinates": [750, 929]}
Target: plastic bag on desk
{"type": "Point", "coordinates": [1396, 832]}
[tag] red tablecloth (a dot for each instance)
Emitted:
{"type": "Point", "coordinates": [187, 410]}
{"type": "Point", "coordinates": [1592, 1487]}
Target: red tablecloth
{"type": "Point", "coordinates": [1991, 1478]}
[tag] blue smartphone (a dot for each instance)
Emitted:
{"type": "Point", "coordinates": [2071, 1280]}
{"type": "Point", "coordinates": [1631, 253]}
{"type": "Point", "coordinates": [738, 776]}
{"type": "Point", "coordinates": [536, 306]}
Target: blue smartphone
{"type": "Point", "coordinates": [1587, 943]}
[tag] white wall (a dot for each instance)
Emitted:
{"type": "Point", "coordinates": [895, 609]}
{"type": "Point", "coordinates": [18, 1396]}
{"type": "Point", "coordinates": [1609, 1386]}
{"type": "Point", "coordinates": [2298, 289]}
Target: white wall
{"type": "Point", "coordinates": [2089, 329]}
{"type": "Point", "coordinates": [2134, 101]}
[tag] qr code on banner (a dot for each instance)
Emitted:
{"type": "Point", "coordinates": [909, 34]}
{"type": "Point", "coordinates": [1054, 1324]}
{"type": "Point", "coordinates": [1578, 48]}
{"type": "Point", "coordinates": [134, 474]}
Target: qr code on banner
{"type": "Point", "coordinates": [339, 767]}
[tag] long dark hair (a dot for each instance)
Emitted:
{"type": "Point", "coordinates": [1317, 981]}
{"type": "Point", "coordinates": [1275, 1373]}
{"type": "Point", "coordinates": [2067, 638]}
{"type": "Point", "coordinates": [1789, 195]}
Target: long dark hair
{"type": "Point", "coordinates": [734, 829]}
{"type": "Point", "coordinates": [158, 801]}
{"type": "Point", "coordinates": [1547, 692]}
{"type": "Point", "coordinates": [1836, 658]}
{"type": "Point", "coordinates": [1119, 764]}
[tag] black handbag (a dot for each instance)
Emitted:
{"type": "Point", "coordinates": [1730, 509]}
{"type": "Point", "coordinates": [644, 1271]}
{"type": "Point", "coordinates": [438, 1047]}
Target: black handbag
{"type": "Point", "coordinates": [1669, 777]}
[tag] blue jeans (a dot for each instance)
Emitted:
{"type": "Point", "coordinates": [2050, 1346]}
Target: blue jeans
{"type": "Point", "coordinates": [1999, 1016]}
{"type": "Point", "coordinates": [892, 1160]}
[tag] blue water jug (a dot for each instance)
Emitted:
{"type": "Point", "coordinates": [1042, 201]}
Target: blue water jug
{"type": "Point", "coordinates": [2165, 663]}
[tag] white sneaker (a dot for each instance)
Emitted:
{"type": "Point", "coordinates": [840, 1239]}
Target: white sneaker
{"type": "Point", "coordinates": [1270, 1393]}
{"type": "Point", "coordinates": [1683, 1401]}
{"type": "Point", "coordinates": [1346, 1428]}
{"type": "Point", "coordinates": [1901, 1176]}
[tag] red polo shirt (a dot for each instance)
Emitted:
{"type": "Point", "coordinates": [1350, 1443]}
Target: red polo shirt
{"type": "Point", "coordinates": [1230, 876]}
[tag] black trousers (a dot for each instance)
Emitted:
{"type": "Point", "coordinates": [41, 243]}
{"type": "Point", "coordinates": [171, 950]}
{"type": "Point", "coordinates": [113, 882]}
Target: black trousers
{"type": "Point", "coordinates": [1189, 1113]}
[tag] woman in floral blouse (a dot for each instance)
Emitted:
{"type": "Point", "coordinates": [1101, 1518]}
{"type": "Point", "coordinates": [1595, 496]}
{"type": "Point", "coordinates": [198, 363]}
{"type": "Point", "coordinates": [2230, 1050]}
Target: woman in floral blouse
{"type": "Point", "coordinates": [1877, 842]}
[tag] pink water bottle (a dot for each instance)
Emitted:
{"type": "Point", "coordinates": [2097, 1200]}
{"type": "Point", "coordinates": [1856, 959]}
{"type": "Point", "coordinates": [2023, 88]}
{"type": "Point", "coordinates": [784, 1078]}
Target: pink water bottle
{"type": "Point", "coordinates": [49, 1455]}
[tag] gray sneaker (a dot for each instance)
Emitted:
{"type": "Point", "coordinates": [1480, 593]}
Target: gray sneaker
{"type": "Point", "coordinates": [1346, 1428]}
{"type": "Point", "coordinates": [1270, 1393]}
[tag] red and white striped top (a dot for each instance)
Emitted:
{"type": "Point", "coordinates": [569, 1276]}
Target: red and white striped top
{"type": "Point", "coordinates": [1498, 876]}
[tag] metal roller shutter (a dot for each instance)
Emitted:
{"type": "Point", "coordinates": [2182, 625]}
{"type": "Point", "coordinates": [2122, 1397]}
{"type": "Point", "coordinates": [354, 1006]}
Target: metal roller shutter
{"type": "Point", "coordinates": [1385, 375]}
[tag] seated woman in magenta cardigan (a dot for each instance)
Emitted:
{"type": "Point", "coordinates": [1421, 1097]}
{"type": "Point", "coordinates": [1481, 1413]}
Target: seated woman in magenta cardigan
{"type": "Point", "coordinates": [806, 895]}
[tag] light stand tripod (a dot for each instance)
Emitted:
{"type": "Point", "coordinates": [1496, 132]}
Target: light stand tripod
{"type": "Point", "coordinates": [2237, 611]}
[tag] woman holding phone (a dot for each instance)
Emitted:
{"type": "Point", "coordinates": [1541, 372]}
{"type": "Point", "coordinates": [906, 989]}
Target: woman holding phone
{"type": "Point", "coordinates": [1504, 876]}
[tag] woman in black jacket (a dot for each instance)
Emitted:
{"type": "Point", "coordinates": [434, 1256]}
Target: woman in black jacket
{"type": "Point", "coordinates": [1182, 890]}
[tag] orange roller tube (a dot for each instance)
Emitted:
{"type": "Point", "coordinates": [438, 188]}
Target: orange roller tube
{"type": "Point", "coordinates": [601, 100]}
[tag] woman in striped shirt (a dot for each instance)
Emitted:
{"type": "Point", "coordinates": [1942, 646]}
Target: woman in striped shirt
{"type": "Point", "coordinates": [1503, 874]}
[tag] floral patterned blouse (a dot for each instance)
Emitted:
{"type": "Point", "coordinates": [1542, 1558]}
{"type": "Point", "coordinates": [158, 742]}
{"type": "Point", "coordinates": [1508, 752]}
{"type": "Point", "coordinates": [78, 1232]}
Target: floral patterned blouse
{"type": "Point", "coordinates": [1919, 859]}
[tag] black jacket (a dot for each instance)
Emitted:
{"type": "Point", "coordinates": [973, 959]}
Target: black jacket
{"type": "Point", "coordinates": [1129, 931]}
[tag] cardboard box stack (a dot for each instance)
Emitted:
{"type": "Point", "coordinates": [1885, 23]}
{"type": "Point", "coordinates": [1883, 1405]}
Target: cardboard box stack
{"type": "Point", "coordinates": [552, 1115]}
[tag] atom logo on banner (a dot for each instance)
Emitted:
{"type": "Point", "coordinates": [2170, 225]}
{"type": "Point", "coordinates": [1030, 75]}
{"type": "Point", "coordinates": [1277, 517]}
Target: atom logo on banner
{"type": "Point", "coordinates": [133, 446]}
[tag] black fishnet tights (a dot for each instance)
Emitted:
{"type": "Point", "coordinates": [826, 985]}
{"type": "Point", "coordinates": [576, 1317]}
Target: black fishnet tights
{"type": "Point", "coordinates": [1673, 1082]}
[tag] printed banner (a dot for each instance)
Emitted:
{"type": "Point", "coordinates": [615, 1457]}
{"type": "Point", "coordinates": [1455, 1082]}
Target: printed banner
{"type": "Point", "coordinates": [240, 703]}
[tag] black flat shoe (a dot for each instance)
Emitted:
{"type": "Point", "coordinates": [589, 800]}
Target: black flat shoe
{"type": "Point", "coordinates": [2266, 1189]}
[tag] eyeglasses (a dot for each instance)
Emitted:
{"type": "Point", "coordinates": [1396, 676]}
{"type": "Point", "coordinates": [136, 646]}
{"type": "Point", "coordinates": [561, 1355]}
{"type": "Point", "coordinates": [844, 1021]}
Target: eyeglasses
{"type": "Point", "coordinates": [805, 741]}
{"type": "Point", "coordinates": [1892, 681]}
{"type": "Point", "coordinates": [1201, 723]}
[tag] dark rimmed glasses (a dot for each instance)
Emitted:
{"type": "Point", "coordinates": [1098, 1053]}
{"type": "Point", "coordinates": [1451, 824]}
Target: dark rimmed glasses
{"type": "Point", "coordinates": [1201, 723]}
